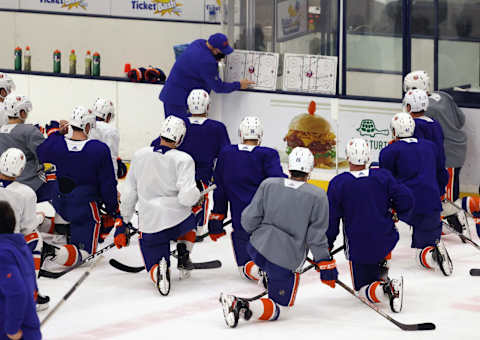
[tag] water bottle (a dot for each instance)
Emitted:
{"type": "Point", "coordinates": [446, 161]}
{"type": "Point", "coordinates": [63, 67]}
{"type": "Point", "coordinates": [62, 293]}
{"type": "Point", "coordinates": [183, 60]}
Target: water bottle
{"type": "Point", "coordinates": [18, 59]}
{"type": "Point", "coordinates": [96, 65]}
{"type": "Point", "coordinates": [73, 62]}
{"type": "Point", "coordinates": [57, 61]}
{"type": "Point", "coordinates": [88, 64]}
{"type": "Point", "coordinates": [27, 62]}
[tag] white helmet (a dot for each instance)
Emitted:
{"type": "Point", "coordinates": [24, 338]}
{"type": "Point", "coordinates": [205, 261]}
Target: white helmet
{"type": "Point", "coordinates": [173, 128]}
{"type": "Point", "coordinates": [417, 99]}
{"type": "Point", "coordinates": [417, 80]}
{"type": "Point", "coordinates": [251, 128]}
{"type": "Point", "coordinates": [357, 151]}
{"type": "Point", "coordinates": [198, 101]}
{"type": "Point", "coordinates": [402, 125]}
{"type": "Point", "coordinates": [81, 117]}
{"type": "Point", "coordinates": [301, 159]}
{"type": "Point", "coordinates": [12, 162]}
{"type": "Point", "coordinates": [15, 103]}
{"type": "Point", "coordinates": [102, 108]}
{"type": "Point", "coordinates": [6, 82]}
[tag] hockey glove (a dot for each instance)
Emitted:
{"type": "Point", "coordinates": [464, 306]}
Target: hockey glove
{"type": "Point", "coordinates": [328, 272]}
{"type": "Point", "coordinates": [121, 237]}
{"type": "Point", "coordinates": [215, 226]}
{"type": "Point", "coordinates": [121, 169]}
{"type": "Point", "coordinates": [108, 223]}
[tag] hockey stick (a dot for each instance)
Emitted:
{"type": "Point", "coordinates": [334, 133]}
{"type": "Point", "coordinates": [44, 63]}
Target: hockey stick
{"type": "Point", "coordinates": [196, 265]}
{"type": "Point", "coordinates": [201, 237]}
{"type": "Point", "coordinates": [56, 275]}
{"type": "Point", "coordinates": [462, 237]}
{"type": "Point", "coordinates": [475, 272]}
{"type": "Point", "coordinates": [455, 205]}
{"type": "Point", "coordinates": [307, 268]}
{"type": "Point", "coordinates": [70, 292]}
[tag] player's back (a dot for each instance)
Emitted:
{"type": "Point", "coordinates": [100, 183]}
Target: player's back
{"type": "Point", "coordinates": [241, 168]}
{"type": "Point", "coordinates": [362, 199]}
{"type": "Point", "coordinates": [164, 180]}
{"type": "Point", "coordinates": [23, 202]}
{"type": "Point", "coordinates": [204, 140]}
{"type": "Point", "coordinates": [25, 137]}
{"type": "Point", "coordinates": [427, 128]}
{"type": "Point", "coordinates": [108, 134]}
{"type": "Point", "coordinates": [415, 163]}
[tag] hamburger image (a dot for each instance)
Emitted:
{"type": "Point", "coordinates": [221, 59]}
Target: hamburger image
{"type": "Point", "coordinates": [313, 132]}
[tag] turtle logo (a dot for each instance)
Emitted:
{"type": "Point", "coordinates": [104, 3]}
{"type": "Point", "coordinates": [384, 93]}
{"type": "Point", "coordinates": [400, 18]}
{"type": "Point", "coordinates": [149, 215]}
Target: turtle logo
{"type": "Point", "coordinates": [368, 128]}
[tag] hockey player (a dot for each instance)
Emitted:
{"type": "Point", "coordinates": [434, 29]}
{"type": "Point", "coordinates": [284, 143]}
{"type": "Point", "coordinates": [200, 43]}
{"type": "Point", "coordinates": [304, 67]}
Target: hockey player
{"type": "Point", "coordinates": [24, 203]}
{"type": "Point", "coordinates": [104, 112]}
{"type": "Point", "coordinates": [239, 171]}
{"type": "Point", "coordinates": [85, 179]}
{"type": "Point", "coordinates": [162, 180]}
{"type": "Point", "coordinates": [6, 87]}
{"type": "Point", "coordinates": [415, 102]}
{"type": "Point", "coordinates": [18, 318]}
{"type": "Point", "coordinates": [364, 198]}
{"type": "Point", "coordinates": [26, 137]}
{"type": "Point", "coordinates": [443, 109]}
{"type": "Point", "coordinates": [286, 218]}
{"type": "Point", "coordinates": [417, 164]}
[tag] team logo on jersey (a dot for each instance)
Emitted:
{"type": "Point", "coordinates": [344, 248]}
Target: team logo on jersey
{"type": "Point", "coordinates": [368, 128]}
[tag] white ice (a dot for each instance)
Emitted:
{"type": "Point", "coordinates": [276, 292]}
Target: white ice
{"type": "Point", "coordinates": [115, 305]}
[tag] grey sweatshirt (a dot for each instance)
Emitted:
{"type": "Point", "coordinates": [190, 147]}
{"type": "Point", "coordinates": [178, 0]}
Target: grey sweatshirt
{"type": "Point", "coordinates": [27, 138]}
{"type": "Point", "coordinates": [443, 109]}
{"type": "Point", "coordinates": [285, 219]}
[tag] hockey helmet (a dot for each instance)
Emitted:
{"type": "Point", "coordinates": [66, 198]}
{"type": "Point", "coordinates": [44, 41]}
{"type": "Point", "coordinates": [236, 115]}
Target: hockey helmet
{"type": "Point", "coordinates": [6, 82]}
{"type": "Point", "coordinates": [357, 151]}
{"type": "Point", "coordinates": [102, 107]}
{"type": "Point", "coordinates": [251, 127]}
{"type": "Point", "coordinates": [173, 128]}
{"type": "Point", "coordinates": [16, 103]}
{"type": "Point", "coordinates": [12, 162]}
{"type": "Point", "coordinates": [301, 159]}
{"type": "Point", "coordinates": [417, 80]}
{"type": "Point", "coordinates": [417, 99]}
{"type": "Point", "coordinates": [81, 117]}
{"type": "Point", "coordinates": [198, 101]}
{"type": "Point", "coordinates": [402, 125]}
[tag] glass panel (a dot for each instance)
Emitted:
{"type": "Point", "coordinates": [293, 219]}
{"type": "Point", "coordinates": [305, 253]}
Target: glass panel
{"type": "Point", "coordinates": [374, 48]}
{"type": "Point", "coordinates": [460, 19]}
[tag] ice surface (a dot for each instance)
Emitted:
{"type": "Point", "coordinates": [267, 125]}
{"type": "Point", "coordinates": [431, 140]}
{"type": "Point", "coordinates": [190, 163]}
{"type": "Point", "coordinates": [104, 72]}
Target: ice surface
{"type": "Point", "coordinates": [115, 305]}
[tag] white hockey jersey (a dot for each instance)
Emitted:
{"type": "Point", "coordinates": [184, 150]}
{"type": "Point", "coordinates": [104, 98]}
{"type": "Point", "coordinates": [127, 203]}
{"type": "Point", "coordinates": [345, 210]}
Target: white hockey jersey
{"type": "Point", "coordinates": [23, 200]}
{"type": "Point", "coordinates": [108, 134]}
{"type": "Point", "coordinates": [3, 114]}
{"type": "Point", "coordinates": [162, 181]}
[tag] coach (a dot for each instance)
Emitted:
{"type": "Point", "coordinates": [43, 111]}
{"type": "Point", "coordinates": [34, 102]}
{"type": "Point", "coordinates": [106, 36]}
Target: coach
{"type": "Point", "coordinates": [197, 68]}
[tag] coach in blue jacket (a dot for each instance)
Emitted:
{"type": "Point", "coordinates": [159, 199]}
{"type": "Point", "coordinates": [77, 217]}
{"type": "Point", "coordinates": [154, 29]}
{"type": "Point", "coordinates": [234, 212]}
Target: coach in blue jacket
{"type": "Point", "coordinates": [18, 287]}
{"type": "Point", "coordinates": [197, 68]}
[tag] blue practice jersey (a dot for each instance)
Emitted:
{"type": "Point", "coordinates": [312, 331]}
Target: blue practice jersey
{"type": "Point", "coordinates": [427, 128]}
{"type": "Point", "coordinates": [87, 163]}
{"type": "Point", "coordinates": [204, 140]}
{"type": "Point", "coordinates": [363, 200]}
{"type": "Point", "coordinates": [239, 171]}
{"type": "Point", "coordinates": [417, 164]}
{"type": "Point", "coordinates": [196, 68]}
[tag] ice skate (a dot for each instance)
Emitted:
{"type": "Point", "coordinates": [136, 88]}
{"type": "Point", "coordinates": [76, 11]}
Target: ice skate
{"type": "Point", "coordinates": [234, 308]}
{"type": "Point", "coordinates": [394, 290]}
{"type": "Point", "coordinates": [163, 277]}
{"type": "Point", "coordinates": [440, 255]}
{"type": "Point", "coordinates": [184, 265]}
{"type": "Point", "coordinates": [42, 302]}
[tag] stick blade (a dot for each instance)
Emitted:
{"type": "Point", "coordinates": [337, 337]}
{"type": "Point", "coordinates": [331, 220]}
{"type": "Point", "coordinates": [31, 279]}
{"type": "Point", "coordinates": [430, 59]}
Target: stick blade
{"type": "Point", "coordinates": [114, 263]}
{"type": "Point", "coordinates": [427, 326]}
{"type": "Point", "coordinates": [475, 272]}
{"type": "Point", "coordinates": [207, 265]}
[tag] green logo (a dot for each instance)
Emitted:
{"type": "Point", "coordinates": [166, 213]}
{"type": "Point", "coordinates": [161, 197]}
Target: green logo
{"type": "Point", "coordinates": [368, 128]}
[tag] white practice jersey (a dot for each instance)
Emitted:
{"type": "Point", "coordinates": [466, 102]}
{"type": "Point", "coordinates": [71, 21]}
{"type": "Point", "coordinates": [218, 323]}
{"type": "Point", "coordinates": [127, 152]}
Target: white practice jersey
{"type": "Point", "coordinates": [3, 114]}
{"type": "Point", "coordinates": [108, 134]}
{"type": "Point", "coordinates": [163, 184]}
{"type": "Point", "coordinates": [23, 200]}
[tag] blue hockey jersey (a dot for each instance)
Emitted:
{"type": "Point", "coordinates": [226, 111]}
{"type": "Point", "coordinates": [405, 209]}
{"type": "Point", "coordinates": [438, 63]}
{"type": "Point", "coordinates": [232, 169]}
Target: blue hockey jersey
{"type": "Point", "coordinates": [203, 141]}
{"type": "Point", "coordinates": [239, 171]}
{"type": "Point", "coordinates": [417, 164]}
{"type": "Point", "coordinates": [196, 68]}
{"type": "Point", "coordinates": [363, 200]}
{"type": "Point", "coordinates": [18, 288]}
{"type": "Point", "coordinates": [87, 163]}
{"type": "Point", "coordinates": [427, 128]}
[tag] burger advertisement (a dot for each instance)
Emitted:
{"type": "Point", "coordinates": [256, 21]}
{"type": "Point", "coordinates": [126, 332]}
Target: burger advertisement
{"type": "Point", "coordinates": [315, 133]}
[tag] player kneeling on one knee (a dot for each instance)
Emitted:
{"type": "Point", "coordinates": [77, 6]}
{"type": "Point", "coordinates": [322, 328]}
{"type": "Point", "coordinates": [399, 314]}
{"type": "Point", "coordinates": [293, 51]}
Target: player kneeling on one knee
{"type": "Point", "coordinates": [364, 199]}
{"type": "Point", "coordinates": [286, 218]}
{"type": "Point", "coordinates": [162, 180]}
{"type": "Point", "coordinates": [418, 164]}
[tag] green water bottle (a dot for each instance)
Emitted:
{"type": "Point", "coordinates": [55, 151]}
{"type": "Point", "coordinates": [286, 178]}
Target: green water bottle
{"type": "Point", "coordinates": [27, 62]}
{"type": "Point", "coordinates": [18, 58]}
{"type": "Point", "coordinates": [57, 61]}
{"type": "Point", "coordinates": [73, 62]}
{"type": "Point", "coordinates": [96, 65]}
{"type": "Point", "coordinates": [88, 64]}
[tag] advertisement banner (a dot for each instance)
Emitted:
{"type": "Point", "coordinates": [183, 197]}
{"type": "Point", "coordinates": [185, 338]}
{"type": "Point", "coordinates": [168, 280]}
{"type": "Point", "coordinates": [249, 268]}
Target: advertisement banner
{"type": "Point", "coordinates": [291, 19]}
{"type": "Point", "coordinates": [9, 4]}
{"type": "Point", "coordinates": [160, 9]}
{"type": "Point", "coordinates": [95, 7]}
